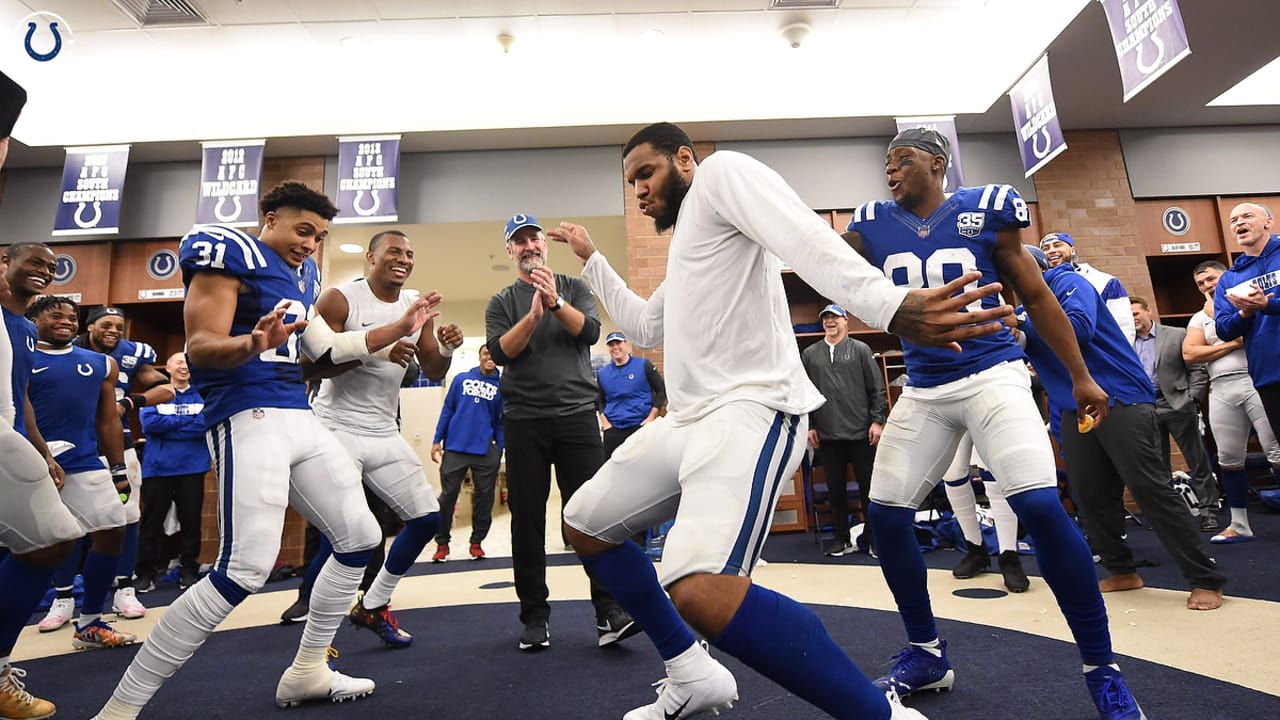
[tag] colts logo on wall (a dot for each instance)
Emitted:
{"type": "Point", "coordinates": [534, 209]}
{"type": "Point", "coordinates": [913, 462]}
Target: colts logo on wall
{"type": "Point", "coordinates": [66, 269]}
{"type": "Point", "coordinates": [44, 35]}
{"type": "Point", "coordinates": [162, 264]}
{"type": "Point", "coordinates": [970, 224]}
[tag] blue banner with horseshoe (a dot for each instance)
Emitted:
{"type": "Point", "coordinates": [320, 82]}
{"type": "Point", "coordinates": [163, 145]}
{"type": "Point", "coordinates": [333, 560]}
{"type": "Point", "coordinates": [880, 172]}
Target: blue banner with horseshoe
{"type": "Point", "coordinates": [230, 174]}
{"type": "Point", "coordinates": [92, 186]}
{"type": "Point", "coordinates": [1149, 37]}
{"type": "Point", "coordinates": [368, 179]}
{"type": "Point", "coordinates": [1035, 117]}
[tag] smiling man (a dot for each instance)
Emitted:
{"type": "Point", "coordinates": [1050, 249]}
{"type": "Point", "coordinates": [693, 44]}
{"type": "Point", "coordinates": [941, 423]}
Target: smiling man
{"type": "Point", "coordinates": [1245, 303]}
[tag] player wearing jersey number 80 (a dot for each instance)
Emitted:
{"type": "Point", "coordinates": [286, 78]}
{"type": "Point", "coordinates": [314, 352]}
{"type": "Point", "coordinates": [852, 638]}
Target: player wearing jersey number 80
{"type": "Point", "coordinates": [244, 305]}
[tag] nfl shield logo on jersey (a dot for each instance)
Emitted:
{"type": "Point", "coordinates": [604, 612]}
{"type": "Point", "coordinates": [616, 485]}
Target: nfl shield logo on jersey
{"type": "Point", "coordinates": [258, 414]}
{"type": "Point", "coordinates": [969, 224]}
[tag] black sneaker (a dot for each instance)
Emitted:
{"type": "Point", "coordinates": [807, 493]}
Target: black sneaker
{"type": "Point", "coordinates": [297, 612]}
{"type": "Point", "coordinates": [614, 626]}
{"type": "Point", "coordinates": [1015, 579]}
{"type": "Point", "coordinates": [187, 577]}
{"type": "Point", "coordinates": [838, 547]}
{"type": "Point", "coordinates": [144, 583]}
{"type": "Point", "coordinates": [536, 636]}
{"type": "Point", "coordinates": [975, 561]}
{"type": "Point", "coordinates": [1208, 521]}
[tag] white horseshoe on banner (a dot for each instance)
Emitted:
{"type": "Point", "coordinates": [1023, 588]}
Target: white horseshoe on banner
{"type": "Point", "coordinates": [1035, 143]}
{"type": "Point", "coordinates": [1147, 69]}
{"type": "Point", "coordinates": [377, 202]}
{"type": "Point", "coordinates": [97, 215]}
{"type": "Point", "coordinates": [217, 209]}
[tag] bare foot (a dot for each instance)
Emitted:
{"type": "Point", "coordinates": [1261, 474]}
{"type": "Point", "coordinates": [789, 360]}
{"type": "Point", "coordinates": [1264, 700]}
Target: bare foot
{"type": "Point", "coordinates": [1117, 583]}
{"type": "Point", "coordinates": [1204, 599]}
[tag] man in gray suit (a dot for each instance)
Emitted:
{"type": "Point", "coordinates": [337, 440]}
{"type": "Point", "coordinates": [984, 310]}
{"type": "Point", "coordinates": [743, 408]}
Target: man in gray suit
{"type": "Point", "coordinates": [1179, 388]}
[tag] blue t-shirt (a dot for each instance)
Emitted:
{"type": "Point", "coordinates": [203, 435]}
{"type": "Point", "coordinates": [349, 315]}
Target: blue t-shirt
{"type": "Point", "coordinates": [957, 238]}
{"type": "Point", "coordinates": [272, 379]}
{"type": "Point", "coordinates": [22, 336]}
{"type": "Point", "coordinates": [628, 399]}
{"type": "Point", "coordinates": [471, 418]}
{"type": "Point", "coordinates": [65, 388]}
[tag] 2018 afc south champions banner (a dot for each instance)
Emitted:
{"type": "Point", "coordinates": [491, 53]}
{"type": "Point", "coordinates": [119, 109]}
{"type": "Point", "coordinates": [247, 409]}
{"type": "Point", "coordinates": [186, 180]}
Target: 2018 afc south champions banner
{"type": "Point", "coordinates": [230, 174]}
{"type": "Point", "coordinates": [368, 179]}
{"type": "Point", "coordinates": [92, 184]}
{"type": "Point", "coordinates": [1149, 37]}
{"type": "Point", "coordinates": [1035, 118]}
{"type": "Point", "coordinates": [945, 124]}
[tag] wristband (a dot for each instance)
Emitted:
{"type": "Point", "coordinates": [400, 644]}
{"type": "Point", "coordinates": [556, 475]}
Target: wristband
{"type": "Point", "coordinates": [126, 402]}
{"type": "Point", "coordinates": [445, 350]}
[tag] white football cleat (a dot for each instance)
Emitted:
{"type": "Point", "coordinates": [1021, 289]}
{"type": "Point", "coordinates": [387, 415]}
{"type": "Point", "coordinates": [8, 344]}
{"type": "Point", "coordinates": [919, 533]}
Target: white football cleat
{"type": "Point", "coordinates": [695, 682]}
{"type": "Point", "coordinates": [323, 684]}
{"type": "Point", "coordinates": [898, 711]}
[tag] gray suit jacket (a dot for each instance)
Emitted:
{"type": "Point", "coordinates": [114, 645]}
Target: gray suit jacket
{"type": "Point", "coordinates": [1181, 384]}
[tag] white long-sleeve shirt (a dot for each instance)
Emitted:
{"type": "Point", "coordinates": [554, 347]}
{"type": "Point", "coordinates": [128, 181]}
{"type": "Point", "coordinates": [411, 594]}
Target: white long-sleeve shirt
{"type": "Point", "coordinates": [722, 310]}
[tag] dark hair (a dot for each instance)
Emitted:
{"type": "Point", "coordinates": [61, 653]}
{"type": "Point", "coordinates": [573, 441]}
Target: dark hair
{"type": "Point", "coordinates": [294, 194]}
{"type": "Point", "coordinates": [1139, 300]}
{"type": "Point", "coordinates": [45, 302]}
{"type": "Point", "coordinates": [664, 137]}
{"type": "Point", "coordinates": [1208, 265]}
{"type": "Point", "coordinates": [377, 238]}
{"type": "Point", "coordinates": [23, 247]}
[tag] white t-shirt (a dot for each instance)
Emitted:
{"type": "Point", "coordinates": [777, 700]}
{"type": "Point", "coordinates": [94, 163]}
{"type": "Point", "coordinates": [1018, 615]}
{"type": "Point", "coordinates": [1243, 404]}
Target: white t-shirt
{"type": "Point", "coordinates": [722, 311]}
{"type": "Point", "coordinates": [1232, 363]}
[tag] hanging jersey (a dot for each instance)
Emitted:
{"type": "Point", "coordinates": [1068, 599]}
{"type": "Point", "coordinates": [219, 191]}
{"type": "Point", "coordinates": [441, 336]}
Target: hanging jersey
{"type": "Point", "coordinates": [65, 387]}
{"type": "Point", "coordinates": [272, 379]}
{"type": "Point", "coordinates": [958, 237]}
{"type": "Point", "coordinates": [22, 339]}
{"type": "Point", "coordinates": [364, 400]}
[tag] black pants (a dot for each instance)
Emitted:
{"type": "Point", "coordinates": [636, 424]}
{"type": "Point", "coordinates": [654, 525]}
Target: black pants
{"type": "Point", "coordinates": [837, 455]}
{"type": "Point", "coordinates": [572, 444]}
{"type": "Point", "coordinates": [185, 491]}
{"type": "Point", "coordinates": [1185, 428]}
{"type": "Point", "coordinates": [615, 436]}
{"type": "Point", "coordinates": [1270, 396]}
{"type": "Point", "coordinates": [1125, 451]}
{"type": "Point", "coordinates": [484, 475]}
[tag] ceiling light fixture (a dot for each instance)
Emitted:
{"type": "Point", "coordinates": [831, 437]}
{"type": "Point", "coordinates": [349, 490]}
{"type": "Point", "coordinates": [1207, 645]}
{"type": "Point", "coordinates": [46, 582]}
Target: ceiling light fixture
{"type": "Point", "coordinates": [506, 40]}
{"type": "Point", "coordinates": [351, 42]}
{"type": "Point", "coordinates": [795, 33]}
{"type": "Point", "coordinates": [351, 248]}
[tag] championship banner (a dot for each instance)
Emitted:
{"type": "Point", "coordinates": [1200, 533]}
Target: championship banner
{"type": "Point", "coordinates": [367, 179]}
{"type": "Point", "coordinates": [229, 178]}
{"type": "Point", "coordinates": [1149, 39]}
{"type": "Point", "coordinates": [1035, 117]}
{"type": "Point", "coordinates": [945, 124]}
{"type": "Point", "coordinates": [92, 183]}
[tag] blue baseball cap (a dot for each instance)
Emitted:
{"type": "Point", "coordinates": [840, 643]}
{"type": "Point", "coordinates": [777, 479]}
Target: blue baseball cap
{"type": "Point", "coordinates": [615, 336]}
{"type": "Point", "coordinates": [834, 310]}
{"type": "Point", "coordinates": [1057, 236]}
{"type": "Point", "coordinates": [515, 222]}
{"type": "Point", "coordinates": [1038, 255]}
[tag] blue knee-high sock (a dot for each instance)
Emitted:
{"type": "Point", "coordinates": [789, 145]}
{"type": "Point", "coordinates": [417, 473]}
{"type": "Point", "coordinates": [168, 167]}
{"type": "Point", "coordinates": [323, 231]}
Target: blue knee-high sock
{"type": "Point", "coordinates": [128, 552]}
{"type": "Point", "coordinates": [317, 563]}
{"type": "Point", "coordinates": [64, 576]}
{"type": "Point", "coordinates": [409, 543]}
{"type": "Point", "coordinates": [784, 641]}
{"type": "Point", "coordinates": [904, 569]}
{"type": "Point", "coordinates": [99, 572]}
{"type": "Point", "coordinates": [1067, 565]}
{"type": "Point", "coordinates": [629, 575]}
{"type": "Point", "coordinates": [23, 585]}
{"type": "Point", "coordinates": [1236, 483]}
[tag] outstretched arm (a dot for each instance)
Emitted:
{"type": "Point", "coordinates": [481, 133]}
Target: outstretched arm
{"type": "Point", "coordinates": [640, 319]}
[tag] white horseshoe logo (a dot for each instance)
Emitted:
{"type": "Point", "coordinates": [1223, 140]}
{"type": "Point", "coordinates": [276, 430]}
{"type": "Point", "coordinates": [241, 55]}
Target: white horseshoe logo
{"type": "Point", "coordinates": [84, 369]}
{"type": "Point", "coordinates": [217, 209]}
{"type": "Point", "coordinates": [1035, 143]}
{"type": "Point", "coordinates": [1176, 221]}
{"type": "Point", "coordinates": [97, 215]}
{"type": "Point", "coordinates": [31, 345]}
{"type": "Point", "coordinates": [162, 264]}
{"type": "Point", "coordinates": [1143, 67]}
{"type": "Point", "coordinates": [362, 212]}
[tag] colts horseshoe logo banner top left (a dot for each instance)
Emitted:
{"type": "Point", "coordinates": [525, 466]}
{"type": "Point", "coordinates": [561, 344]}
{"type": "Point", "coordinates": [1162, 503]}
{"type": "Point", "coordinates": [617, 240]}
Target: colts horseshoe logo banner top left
{"type": "Point", "coordinates": [368, 179]}
{"type": "Point", "coordinates": [92, 185]}
{"type": "Point", "coordinates": [229, 179]}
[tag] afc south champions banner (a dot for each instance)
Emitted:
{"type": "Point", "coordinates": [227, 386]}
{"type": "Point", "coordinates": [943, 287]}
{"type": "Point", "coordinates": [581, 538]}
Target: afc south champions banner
{"type": "Point", "coordinates": [368, 179]}
{"type": "Point", "coordinates": [229, 182]}
{"type": "Point", "coordinates": [1149, 37]}
{"type": "Point", "coordinates": [945, 124]}
{"type": "Point", "coordinates": [92, 184]}
{"type": "Point", "coordinates": [1035, 118]}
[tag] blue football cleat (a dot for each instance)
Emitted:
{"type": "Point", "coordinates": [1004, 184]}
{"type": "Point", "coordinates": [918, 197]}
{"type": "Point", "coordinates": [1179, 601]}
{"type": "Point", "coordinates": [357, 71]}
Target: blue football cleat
{"type": "Point", "coordinates": [916, 669]}
{"type": "Point", "coordinates": [1111, 695]}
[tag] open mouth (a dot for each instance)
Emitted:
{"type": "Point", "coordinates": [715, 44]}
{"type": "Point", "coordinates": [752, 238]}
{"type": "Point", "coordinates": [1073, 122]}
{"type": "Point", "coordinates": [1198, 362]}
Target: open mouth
{"type": "Point", "coordinates": [38, 280]}
{"type": "Point", "coordinates": [399, 272]}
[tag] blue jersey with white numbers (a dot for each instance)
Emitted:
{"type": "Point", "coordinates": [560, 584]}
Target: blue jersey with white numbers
{"type": "Point", "coordinates": [129, 355]}
{"type": "Point", "coordinates": [959, 237]}
{"type": "Point", "coordinates": [272, 379]}
{"type": "Point", "coordinates": [65, 386]}
{"type": "Point", "coordinates": [22, 336]}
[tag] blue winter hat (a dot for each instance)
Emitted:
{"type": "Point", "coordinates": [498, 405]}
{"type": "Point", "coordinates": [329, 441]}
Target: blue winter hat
{"type": "Point", "coordinates": [515, 222]}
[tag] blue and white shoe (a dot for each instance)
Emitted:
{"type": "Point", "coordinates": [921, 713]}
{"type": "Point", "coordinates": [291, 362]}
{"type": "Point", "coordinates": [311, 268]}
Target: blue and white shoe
{"type": "Point", "coordinates": [1111, 695]}
{"type": "Point", "coordinates": [916, 669]}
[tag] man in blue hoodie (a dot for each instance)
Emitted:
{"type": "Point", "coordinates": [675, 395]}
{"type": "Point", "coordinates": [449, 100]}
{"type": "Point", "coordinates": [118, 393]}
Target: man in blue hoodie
{"type": "Point", "coordinates": [1245, 304]}
{"type": "Point", "coordinates": [173, 470]}
{"type": "Point", "coordinates": [469, 437]}
{"type": "Point", "coordinates": [1124, 451]}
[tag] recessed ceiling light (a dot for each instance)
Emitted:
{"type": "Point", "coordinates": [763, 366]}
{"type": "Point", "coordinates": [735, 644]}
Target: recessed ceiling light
{"type": "Point", "coordinates": [351, 42]}
{"type": "Point", "coordinates": [351, 248]}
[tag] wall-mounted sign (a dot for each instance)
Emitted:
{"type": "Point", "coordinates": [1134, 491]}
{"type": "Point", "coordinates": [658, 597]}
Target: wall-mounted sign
{"type": "Point", "coordinates": [229, 179]}
{"type": "Point", "coordinates": [66, 268]}
{"type": "Point", "coordinates": [162, 264]}
{"type": "Point", "coordinates": [368, 179]}
{"type": "Point", "coordinates": [1175, 221]}
{"type": "Point", "coordinates": [1193, 247]}
{"type": "Point", "coordinates": [162, 294]}
{"type": "Point", "coordinates": [92, 185]}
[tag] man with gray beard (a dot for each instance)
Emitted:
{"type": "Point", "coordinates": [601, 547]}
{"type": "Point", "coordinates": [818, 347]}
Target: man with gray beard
{"type": "Point", "coordinates": [540, 329]}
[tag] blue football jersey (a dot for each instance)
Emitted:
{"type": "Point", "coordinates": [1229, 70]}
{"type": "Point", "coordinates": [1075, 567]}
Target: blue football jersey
{"type": "Point", "coordinates": [22, 336]}
{"type": "Point", "coordinates": [958, 237]}
{"type": "Point", "coordinates": [274, 378]}
{"type": "Point", "coordinates": [64, 390]}
{"type": "Point", "coordinates": [129, 355]}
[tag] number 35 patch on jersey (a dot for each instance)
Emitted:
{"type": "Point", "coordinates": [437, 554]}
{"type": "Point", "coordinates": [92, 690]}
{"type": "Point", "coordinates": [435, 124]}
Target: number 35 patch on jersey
{"type": "Point", "coordinates": [970, 224]}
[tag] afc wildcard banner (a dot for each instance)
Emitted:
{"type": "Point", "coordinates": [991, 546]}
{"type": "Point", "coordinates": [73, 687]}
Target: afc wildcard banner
{"type": "Point", "coordinates": [92, 184]}
{"type": "Point", "coordinates": [1035, 118]}
{"type": "Point", "coordinates": [945, 124]}
{"type": "Point", "coordinates": [229, 177]}
{"type": "Point", "coordinates": [368, 170]}
{"type": "Point", "coordinates": [1149, 39]}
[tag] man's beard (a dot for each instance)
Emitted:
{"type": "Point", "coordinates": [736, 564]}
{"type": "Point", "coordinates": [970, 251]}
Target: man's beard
{"type": "Point", "coordinates": [529, 263]}
{"type": "Point", "coordinates": [672, 197]}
